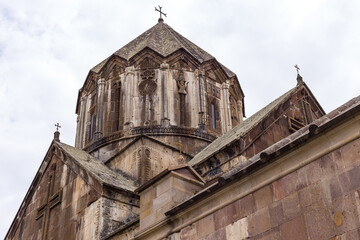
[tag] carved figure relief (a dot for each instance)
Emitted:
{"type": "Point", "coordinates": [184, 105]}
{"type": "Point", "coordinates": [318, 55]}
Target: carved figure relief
{"type": "Point", "coordinates": [147, 88]}
{"type": "Point", "coordinates": [182, 84]}
{"type": "Point", "coordinates": [144, 165]}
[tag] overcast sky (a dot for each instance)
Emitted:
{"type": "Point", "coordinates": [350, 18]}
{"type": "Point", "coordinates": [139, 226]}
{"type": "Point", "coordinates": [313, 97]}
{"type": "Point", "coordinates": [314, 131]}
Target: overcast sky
{"type": "Point", "coordinates": [48, 47]}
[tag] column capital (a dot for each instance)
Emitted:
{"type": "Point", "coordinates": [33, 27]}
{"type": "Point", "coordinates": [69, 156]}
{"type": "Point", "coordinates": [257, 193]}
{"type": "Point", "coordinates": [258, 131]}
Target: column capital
{"type": "Point", "coordinates": [226, 85]}
{"type": "Point", "coordinates": [101, 81]}
{"type": "Point", "coordinates": [164, 66]}
{"type": "Point", "coordinates": [130, 70]}
{"type": "Point", "coordinates": [83, 97]}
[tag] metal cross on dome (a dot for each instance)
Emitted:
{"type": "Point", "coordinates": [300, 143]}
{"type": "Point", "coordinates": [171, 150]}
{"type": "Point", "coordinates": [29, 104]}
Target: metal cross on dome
{"type": "Point", "coordinates": [57, 125]}
{"type": "Point", "coordinates": [161, 13]}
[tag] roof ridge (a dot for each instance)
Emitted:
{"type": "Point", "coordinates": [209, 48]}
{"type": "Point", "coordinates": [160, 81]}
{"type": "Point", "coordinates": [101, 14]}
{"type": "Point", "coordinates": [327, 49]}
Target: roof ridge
{"type": "Point", "coordinates": [101, 176]}
{"type": "Point", "coordinates": [179, 38]}
{"type": "Point", "coordinates": [149, 31]}
{"type": "Point", "coordinates": [239, 130]}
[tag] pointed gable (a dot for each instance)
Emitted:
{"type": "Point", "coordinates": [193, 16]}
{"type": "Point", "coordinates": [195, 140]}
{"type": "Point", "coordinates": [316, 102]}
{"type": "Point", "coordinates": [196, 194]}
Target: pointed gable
{"type": "Point", "coordinates": [67, 182]}
{"type": "Point", "coordinates": [99, 171]}
{"type": "Point", "coordinates": [264, 128]}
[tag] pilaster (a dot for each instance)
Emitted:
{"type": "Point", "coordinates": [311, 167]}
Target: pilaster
{"type": "Point", "coordinates": [100, 109]}
{"type": "Point", "coordinates": [201, 101]}
{"type": "Point", "coordinates": [81, 121]}
{"type": "Point", "coordinates": [226, 105]}
{"type": "Point", "coordinates": [164, 94]}
{"type": "Point", "coordinates": [240, 110]}
{"type": "Point", "coordinates": [129, 82]}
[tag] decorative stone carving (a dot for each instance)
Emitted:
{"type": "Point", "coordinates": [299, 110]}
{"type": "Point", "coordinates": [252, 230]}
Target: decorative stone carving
{"type": "Point", "coordinates": [148, 64]}
{"type": "Point", "coordinates": [147, 74]}
{"type": "Point", "coordinates": [130, 70]}
{"type": "Point", "coordinates": [182, 84]}
{"type": "Point", "coordinates": [213, 90]}
{"type": "Point", "coordinates": [147, 87]}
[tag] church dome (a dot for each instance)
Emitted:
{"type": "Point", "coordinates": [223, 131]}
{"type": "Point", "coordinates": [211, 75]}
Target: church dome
{"type": "Point", "coordinates": [161, 87]}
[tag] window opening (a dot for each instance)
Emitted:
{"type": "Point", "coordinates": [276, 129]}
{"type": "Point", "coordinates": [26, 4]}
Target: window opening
{"type": "Point", "coordinates": [213, 117]}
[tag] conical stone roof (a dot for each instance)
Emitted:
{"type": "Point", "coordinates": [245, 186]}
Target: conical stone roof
{"type": "Point", "coordinates": [164, 40]}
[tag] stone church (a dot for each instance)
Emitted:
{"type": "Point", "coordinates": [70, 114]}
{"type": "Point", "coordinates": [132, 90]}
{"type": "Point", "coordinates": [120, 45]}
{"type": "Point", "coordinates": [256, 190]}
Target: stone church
{"type": "Point", "coordinates": [163, 151]}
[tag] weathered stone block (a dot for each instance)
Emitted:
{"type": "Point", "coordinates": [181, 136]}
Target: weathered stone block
{"type": "Point", "coordinates": [224, 216]}
{"type": "Point", "coordinates": [161, 200]}
{"type": "Point", "coordinates": [350, 153]}
{"type": "Point", "coordinates": [345, 213]}
{"type": "Point", "coordinates": [205, 226]}
{"type": "Point", "coordinates": [291, 206]}
{"type": "Point", "coordinates": [286, 186]}
{"type": "Point", "coordinates": [147, 196]}
{"type": "Point", "coordinates": [335, 188]}
{"type": "Point", "coordinates": [163, 186]}
{"type": "Point", "coordinates": [244, 207]}
{"type": "Point", "coordinates": [219, 234]}
{"type": "Point", "coordinates": [237, 230]}
{"type": "Point", "coordinates": [319, 223]}
{"type": "Point", "coordinates": [145, 210]}
{"type": "Point", "coordinates": [350, 180]}
{"type": "Point", "coordinates": [189, 232]}
{"type": "Point", "coordinates": [310, 195]}
{"type": "Point", "coordinates": [148, 221]}
{"type": "Point", "coordinates": [263, 197]}
{"type": "Point", "coordinates": [259, 222]}
{"type": "Point", "coordinates": [185, 186]}
{"type": "Point", "coordinates": [294, 229]}
{"type": "Point", "coordinates": [328, 164]}
{"type": "Point", "coordinates": [314, 172]}
{"type": "Point", "coordinates": [276, 214]}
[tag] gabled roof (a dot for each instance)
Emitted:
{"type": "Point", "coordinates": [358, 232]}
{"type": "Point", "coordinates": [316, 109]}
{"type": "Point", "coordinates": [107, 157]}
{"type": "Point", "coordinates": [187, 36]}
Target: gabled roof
{"type": "Point", "coordinates": [164, 40]}
{"type": "Point", "coordinates": [97, 169]}
{"type": "Point", "coordinates": [240, 130]}
{"type": "Point", "coordinates": [101, 173]}
{"type": "Point", "coordinates": [349, 110]}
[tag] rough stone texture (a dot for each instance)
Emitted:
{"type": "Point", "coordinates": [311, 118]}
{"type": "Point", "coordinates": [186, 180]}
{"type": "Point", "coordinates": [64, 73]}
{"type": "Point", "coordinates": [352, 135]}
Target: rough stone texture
{"type": "Point", "coordinates": [263, 197]}
{"type": "Point", "coordinates": [158, 102]}
{"type": "Point", "coordinates": [174, 187]}
{"type": "Point", "coordinates": [71, 214]}
{"type": "Point", "coordinates": [168, 99]}
{"type": "Point", "coordinates": [256, 133]}
{"type": "Point", "coordinates": [319, 200]}
{"type": "Point", "coordinates": [294, 229]}
{"type": "Point", "coordinates": [80, 212]}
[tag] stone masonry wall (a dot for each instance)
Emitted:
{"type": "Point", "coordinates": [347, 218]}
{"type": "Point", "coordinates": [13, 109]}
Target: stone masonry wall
{"type": "Point", "coordinates": [72, 217]}
{"type": "Point", "coordinates": [318, 201]}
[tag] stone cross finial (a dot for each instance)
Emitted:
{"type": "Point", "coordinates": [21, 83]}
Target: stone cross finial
{"type": "Point", "coordinates": [57, 125]}
{"type": "Point", "coordinates": [161, 13]}
{"type": "Point", "coordinates": [299, 78]}
{"type": "Point", "coordinates": [297, 68]}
